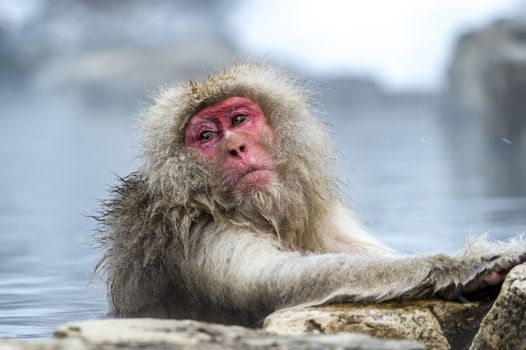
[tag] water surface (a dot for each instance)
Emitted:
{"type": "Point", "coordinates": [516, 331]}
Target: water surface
{"type": "Point", "coordinates": [414, 184]}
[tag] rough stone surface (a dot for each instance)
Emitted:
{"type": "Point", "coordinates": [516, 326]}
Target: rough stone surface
{"type": "Point", "coordinates": [504, 326]}
{"type": "Point", "coordinates": [172, 334]}
{"type": "Point", "coordinates": [459, 322]}
{"type": "Point", "coordinates": [70, 344]}
{"type": "Point", "coordinates": [438, 324]}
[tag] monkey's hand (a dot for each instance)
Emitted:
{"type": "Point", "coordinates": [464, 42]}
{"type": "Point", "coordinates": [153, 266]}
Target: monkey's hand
{"type": "Point", "coordinates": [491, 272]}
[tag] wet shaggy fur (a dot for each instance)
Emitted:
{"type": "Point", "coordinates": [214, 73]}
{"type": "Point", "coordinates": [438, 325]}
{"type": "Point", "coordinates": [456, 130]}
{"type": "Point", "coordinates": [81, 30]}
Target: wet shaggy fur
{"type": "Point", "coordinates": [178, 244]}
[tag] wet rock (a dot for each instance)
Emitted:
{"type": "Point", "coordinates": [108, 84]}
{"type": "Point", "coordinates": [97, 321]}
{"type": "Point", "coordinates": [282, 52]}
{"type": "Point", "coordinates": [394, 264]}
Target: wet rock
{"type": "Point", "coordinates": [504, 326]}
{"type": "Point", "coordinates": [165, 334]}
{"type": "Point", "coordinates": [438, 324]}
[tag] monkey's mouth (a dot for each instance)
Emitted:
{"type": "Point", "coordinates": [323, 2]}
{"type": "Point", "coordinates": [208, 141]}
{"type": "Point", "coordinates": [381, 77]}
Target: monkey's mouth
{"type": "Point", "coordinates": [255, 178]}
{"type": "Point", "coordinates": [251, 170]}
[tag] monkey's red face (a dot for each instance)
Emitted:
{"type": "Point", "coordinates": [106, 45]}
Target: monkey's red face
{"type": "Point", "coordinates": [233, 135]}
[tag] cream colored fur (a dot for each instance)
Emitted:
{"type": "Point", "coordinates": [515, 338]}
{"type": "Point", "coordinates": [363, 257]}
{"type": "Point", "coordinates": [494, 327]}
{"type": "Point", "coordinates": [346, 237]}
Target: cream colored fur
{"type": "Point", "coordinates": [178, 244]}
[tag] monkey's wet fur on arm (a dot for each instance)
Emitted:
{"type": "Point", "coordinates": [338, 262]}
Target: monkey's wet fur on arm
{"type": "Point", "coordinates": [234, 214]}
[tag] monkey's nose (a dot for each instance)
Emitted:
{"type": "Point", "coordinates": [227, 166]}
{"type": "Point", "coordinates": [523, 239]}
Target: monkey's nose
{"type": "Point", "coordinates": [236, 151]}
{"type": "Point", "coordinates": [235, 144]}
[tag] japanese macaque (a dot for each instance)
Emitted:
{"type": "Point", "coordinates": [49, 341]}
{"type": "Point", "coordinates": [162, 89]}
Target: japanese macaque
{"type": "Point", "coordinates": [234, 214]}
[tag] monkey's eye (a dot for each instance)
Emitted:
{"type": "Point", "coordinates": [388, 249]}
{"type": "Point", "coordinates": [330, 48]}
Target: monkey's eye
{"type": "Point", "coordinates": [205, 136]}
{"type": "Point", "coordinates": [238, 119]}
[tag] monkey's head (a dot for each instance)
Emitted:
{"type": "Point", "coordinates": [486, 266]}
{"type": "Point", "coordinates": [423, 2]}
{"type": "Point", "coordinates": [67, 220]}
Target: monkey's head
{"type": "Point", "coordinates": [240, 137]}
{"type": "Point", "coordinates": [235, 137]}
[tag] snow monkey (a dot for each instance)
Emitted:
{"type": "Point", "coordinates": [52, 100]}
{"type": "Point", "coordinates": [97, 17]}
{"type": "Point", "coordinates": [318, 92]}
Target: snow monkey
{"type": "Point", "coordinates": [234, 214]}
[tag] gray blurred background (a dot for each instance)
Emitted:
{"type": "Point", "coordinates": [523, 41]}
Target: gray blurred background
{"type": "Point", "coordinates": [427, 103]}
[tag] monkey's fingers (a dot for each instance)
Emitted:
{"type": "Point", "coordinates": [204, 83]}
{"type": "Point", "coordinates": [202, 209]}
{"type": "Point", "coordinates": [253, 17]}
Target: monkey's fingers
{"type": "Point", "coordinates": [497, 275]}
{"type": "Point", "coordinates": [494, 275]}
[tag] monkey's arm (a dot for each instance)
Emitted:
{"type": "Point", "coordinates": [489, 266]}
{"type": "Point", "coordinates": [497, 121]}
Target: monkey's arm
{"type": "Point", "coordinates": [243, 269]}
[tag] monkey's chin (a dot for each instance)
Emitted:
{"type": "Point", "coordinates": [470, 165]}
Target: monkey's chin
{"type": "Point", "coordinates": [255, 181]}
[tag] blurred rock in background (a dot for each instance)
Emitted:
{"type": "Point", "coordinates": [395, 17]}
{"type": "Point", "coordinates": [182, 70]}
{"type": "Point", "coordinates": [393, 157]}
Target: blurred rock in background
{"type": "Point", "coordinates": [487, 79]}
{"type": "Point", "coordinates": [484, 110]}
